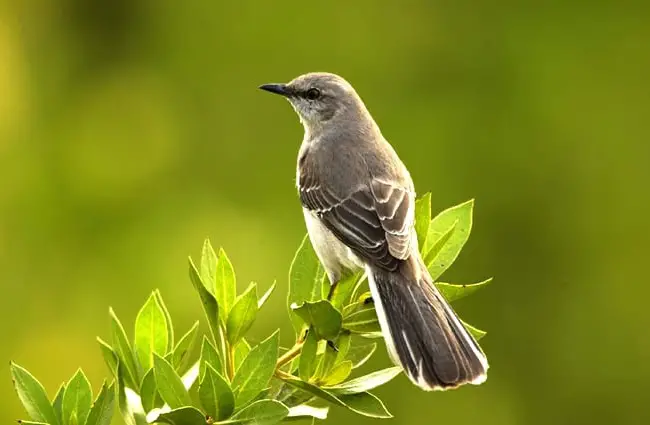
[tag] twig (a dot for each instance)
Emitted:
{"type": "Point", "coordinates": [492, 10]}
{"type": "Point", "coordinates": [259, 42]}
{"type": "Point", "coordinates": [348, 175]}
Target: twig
{"type": "Point", "coordinates": [291, 354]}
{"type": "Point", "coordinates": [231, 362]}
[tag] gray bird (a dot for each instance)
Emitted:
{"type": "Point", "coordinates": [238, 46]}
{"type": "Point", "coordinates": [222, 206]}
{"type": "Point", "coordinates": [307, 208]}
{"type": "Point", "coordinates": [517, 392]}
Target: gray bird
{"type": "Point", "coordinates": [358, 202]}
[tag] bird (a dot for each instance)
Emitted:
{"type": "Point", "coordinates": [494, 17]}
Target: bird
{"type": "Point", "coordinates": [358, 202]}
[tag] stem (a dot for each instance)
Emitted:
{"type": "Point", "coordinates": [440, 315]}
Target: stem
{"type": "Point", "coordinates": [283, 375]}
{"type": "Point", "coordinates": [231, 362]}
{"type": "Point", "coordinates": [294, 351]}
{"type": "Point", "coordinates": [290, 355]}
{"type": "Point", "coordinates": [228, 353]}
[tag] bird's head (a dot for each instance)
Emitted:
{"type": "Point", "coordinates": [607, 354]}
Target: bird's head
{"type": "Point", "coordinates": [320, 97]}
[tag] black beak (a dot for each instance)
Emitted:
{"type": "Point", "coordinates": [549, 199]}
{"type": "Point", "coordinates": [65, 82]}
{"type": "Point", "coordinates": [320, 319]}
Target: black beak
{"type": "Point", "coordinates": [280, 89]}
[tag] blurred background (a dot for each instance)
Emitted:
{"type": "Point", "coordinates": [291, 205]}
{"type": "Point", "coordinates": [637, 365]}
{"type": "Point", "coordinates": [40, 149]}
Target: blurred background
{"type": "Point", "coordinates": [132, 129]}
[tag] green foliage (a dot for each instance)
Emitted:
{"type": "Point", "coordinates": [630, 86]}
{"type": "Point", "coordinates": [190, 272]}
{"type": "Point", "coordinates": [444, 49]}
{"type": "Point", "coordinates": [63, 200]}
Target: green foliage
{"type": "Point", "coordinates": [210, 355]}
{"type": "Point", "coordinates": [110, 357]}
{"type": "Point", "coordinates": [102, 409]}
{"type": "Point", "coordinates": [367, 382]}
{"type": "Point", "coordinates": [360, 318]}
{"type": "Point", "coordinates": [148, 391]}
{"type": "Point", "coordinates": [170, 385]}
{"type": "Point", "coordinates": [448, 232]}
{"type": "Point", "coordinates": [57, 403]}
{"type": "Point", "coordinates": [183, 416]}
{"type": "Point", "coordinates": [242, 315]}
{"type": "Point", "coordinates": [455, 292]}
{"type": "Point", "coordinates": [158, 380]}
{"type": "Point", "coordinates": [32, 394]}
{"type": "Point", "coordinates": [423, 218]}
{"type": "Point", "coordinates": [77, 399]}
{"type": "Point", "coordinates": [256, 370]}
{"type": "Point", "coordinates": [208, 300]}
{"type": "Point", "coordinates": [321, 315]}
{"type": "Point", "coordinates": [362, 403]}
{"type": "Point", "coordinates": [151, 334]}
{"type": "Point", "coordinates": [124, 351]}
{"type": "Point", "coordinates": [262, 412]}
{"type": "Point", "coordinates": [305, 279]}
{"type": "Point", "coordinates": [216, 396]}
{"type": "Point", "coordinates": [180, 355]}
{"type": "Point", "coordinates": [225, 286]}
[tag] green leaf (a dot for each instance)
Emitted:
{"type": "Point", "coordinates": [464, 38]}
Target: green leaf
{"type": "Point", "coordinates": [183, 416]}
{"type": "Point", "coordinates": [261, 412]}
{"type": "Point", "coordinates": [343, 345]}
{"type": "Point", "coordinates": [422, 218]}
{"type": "Point", "coordinates": [241, 351]}
{"type": "Point", "coordinates": [209, 302]}
{"type": "Point", "coordinates": [344, 289]}
{"type": "Point", "coordinates": [110, 357]}
{"type": "Point", "coordinates": [148, 391]}
{"type": "Point", "coordinates": [209, 266]}
{"type": "Point", "coordinates": [359, 354]}
{"type": "Point", "coordinates": [182, 351]}
{"type": "Point", "coordinates": [168, 317]}
{"type": "Point", "coordinates": [266, 296]}
{"type": "Point", "coordinates": [307, 365]}
{"type": "Point", "coordinates": [305, 279]}
{"type": "Point", "coordinates": [256, 370]}
{"type": "Point", "coordinates": [242, 315]}
{"type": "Point", "coordinates": [351, 308]}
{"type": "Point", "coordinates": [101, 412]}
{"type": "Point", "coordinates": [327, 361]}
{"type": "Point", "coordinates": [226, 286]}
{"type": "Point", "coordinates": [364, 404]}
{"type": "Point", "coordinates": [359, 287]}
{"type": "Point", "coordinates": [475, 332]}
{"type": "Point", "coordinates": [338, 374]}
{"type": "Point", "coordinates": [455, 292]}
{"type": "Point", "coordinates": [367, 382]}
{"type": "Point", "coordinates": [362, 321]}
{"type": "Point", "coordinates": [131, 413]}
{"type": "Point", "coordinates": [190, 378]}
{"type": "Point", "coordinates": [151, 334]}
{"type": "Point", "coordinates": [462, 216]}
{"type": "Point", "coordinates": [77, 399]}
{"type": "Point", "coordinates": [57, 403]}
{"type": "Point", "coordinates": [32, 395]}
{"type": "Point", "coordinates": [23, 422]}
{"type": "Point", "coordinates": [306, 411]}
{"type": "Point", "coordinates": [436, 246]}
{"type": "Point", "coordinates": [216, 396]}
{"type": "Point", "coordinates": [322, 316]}
{"type": "Point", "coordinates": [210, 355]}
{"type": "Point", "coordinates": [124, 352]}
{"type": "Point", "coordinates": [169, 384]}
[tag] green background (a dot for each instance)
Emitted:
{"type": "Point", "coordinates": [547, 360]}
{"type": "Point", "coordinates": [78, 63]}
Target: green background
{"type": "Point", "coordinates": [130, 130]}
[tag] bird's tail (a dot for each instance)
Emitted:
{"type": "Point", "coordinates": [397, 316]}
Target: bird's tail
{"type": "Point", "coordinates": [422, 332]}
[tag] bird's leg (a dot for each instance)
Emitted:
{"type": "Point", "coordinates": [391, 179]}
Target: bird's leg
{"type": "Point", "coordinates": [330, 295]}
{"type": "Point", "coordinates": [334, 279]}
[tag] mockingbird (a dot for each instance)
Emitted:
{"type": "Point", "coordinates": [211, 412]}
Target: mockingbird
{"type": "Point", "coordinates": [358, 202]}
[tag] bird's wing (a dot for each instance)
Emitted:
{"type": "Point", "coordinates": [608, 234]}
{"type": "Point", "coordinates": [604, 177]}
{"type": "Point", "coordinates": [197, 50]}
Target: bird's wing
{"type": "Point", "coordinates": [374, 220]}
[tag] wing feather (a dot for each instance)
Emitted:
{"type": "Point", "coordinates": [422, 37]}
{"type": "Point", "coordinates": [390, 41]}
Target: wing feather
{"type": "Point", "coordinates": [375, 220]}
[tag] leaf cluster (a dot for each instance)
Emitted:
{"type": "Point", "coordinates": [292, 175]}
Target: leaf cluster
{"type": "Point", "coordinates": [157, 378]}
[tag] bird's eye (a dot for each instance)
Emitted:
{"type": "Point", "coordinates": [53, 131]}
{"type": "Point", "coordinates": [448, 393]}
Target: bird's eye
{"type": "Point", "coordinates": [312, 94]}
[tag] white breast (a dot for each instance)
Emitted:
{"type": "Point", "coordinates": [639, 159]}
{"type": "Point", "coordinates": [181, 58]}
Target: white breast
{"type": "Point", "coordinates": [332, 253]}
